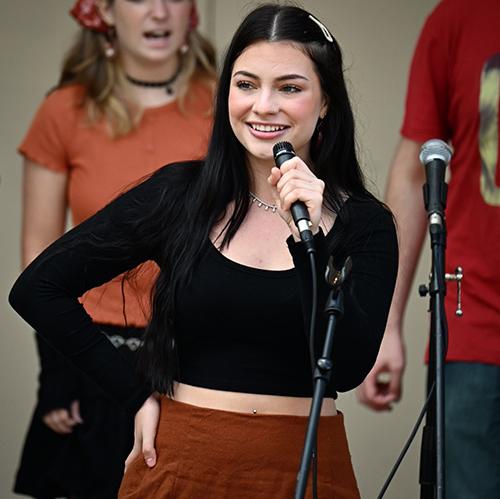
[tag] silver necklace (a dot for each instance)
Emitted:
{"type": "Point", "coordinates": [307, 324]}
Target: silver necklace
{"type": "Point", "coordinates": [263, 204]}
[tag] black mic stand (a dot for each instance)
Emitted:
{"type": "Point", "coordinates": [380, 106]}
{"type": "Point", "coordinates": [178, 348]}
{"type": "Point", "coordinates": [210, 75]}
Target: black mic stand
{"type": "Point", "coordinates": [432, 451]}
{"type": "Point", "coordinates": [334, 309]}
{"type": "Point", "coordinates": [435, 154]}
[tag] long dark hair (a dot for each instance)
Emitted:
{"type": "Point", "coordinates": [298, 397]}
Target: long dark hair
{"type": "Point", "coordinates": [224, 177]}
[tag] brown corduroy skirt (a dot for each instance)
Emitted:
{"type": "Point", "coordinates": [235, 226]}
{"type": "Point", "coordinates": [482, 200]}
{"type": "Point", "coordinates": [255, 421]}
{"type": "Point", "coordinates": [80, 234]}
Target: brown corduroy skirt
{"type": "Point", "coordinates": [212, 454]}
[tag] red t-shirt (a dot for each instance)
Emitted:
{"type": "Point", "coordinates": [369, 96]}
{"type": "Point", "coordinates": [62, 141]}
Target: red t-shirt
{"type": "Point", "coordinates": [100, 167]}
{"type": "Point", "coordinates": [453, 94]}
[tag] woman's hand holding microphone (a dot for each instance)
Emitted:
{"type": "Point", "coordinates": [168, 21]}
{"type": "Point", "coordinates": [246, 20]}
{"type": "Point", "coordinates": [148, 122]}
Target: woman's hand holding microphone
{"type": "Point", "coordinates": [294, 182]}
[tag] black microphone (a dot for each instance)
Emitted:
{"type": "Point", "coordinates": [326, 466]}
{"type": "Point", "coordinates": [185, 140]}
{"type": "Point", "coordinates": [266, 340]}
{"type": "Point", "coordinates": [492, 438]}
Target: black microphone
{"type": "Point", "coordinates": [435, 155]}
{"type": "Point", "coordinates": [283, 151]}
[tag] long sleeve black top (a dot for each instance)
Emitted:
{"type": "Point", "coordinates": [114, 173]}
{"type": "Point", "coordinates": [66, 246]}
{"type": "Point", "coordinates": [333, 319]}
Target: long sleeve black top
{"type": "Point", "coordinates": [228, 334]}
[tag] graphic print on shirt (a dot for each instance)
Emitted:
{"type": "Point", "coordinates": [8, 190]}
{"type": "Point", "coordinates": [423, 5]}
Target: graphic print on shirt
{"type": "Point", "coordinates": [488, 129]}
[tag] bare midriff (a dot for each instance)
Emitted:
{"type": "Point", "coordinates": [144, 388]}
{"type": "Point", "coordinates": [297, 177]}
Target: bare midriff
{"type": "Point", "coordinates": [249, 403]}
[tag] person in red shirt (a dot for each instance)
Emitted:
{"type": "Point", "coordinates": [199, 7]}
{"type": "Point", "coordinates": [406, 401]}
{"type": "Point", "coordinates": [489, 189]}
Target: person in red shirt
{"type": "Point", "coordinates": [453, 94]}
{"type": "Point", "coordinates": [135, 93]}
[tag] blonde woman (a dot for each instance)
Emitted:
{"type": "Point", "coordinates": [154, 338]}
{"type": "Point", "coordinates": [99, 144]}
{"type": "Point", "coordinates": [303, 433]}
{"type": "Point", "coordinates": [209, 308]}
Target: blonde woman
{"type": "Point", "coordinates": [135, 93]}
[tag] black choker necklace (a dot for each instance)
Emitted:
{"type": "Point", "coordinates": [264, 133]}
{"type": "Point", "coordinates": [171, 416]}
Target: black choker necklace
{"type": "Point", "coordinates": [167, 84]}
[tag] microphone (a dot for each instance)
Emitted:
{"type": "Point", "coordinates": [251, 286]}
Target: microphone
{"type": "Point", "coordinates": [435, 155]}
{"type": "Point", "coordinates": [283, 151]}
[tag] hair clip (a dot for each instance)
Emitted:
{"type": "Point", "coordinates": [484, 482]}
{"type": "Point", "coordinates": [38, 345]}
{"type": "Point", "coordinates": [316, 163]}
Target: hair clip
{"type": "Point", "coordinates": [327, 34]}
{"type": "Point", "coordinates": [88, 16]}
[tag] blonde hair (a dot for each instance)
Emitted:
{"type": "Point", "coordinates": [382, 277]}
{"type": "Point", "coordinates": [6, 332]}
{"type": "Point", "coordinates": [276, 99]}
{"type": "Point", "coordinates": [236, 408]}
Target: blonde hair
{"type": "Point", "coordinates": [102, 78]}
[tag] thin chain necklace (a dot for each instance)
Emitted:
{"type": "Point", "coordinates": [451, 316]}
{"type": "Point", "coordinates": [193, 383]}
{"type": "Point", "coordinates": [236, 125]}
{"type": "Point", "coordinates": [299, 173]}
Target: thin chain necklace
{"type": "Point", "coordinates": [263, 204]}
{"type": "Point", "coordinates": [167, 84]}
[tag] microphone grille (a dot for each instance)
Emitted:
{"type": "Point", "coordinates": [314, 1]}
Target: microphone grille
{"type": "Point", "coordinates": [435, 149]}
{"type": "Point", "coordinates": [282, 146]}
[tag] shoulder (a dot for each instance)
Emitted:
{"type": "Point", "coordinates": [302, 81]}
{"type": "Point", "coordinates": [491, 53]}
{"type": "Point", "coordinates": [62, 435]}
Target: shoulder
{"type": "Point", "coordinates": [200, 96]}
{"type": "Point", "coordinates": [457, 8]}
{"type": "Point", "coordinates": [52, 128]}
{"type": "Point", "coordinates": [62, 106]}
{"type": "Point", "coordinates": [203, 88]}
{"type": "Point", "coordinates": [362, 221]}
{"type": "Point", "coordinates": [447, 19]}
{"type": "Point", "coordinates": [156, 197]}
{"type": "Point", "coordinates": [444, 9]}
{"type": "Point", "coordinates": [172, 178]}
{"type": "Point", "coordinates": [364, 211]}
{"type": "Point", "coordinates": [365, 230]}
{"type": "Point", "coordinates": [65, 98]}
{"type": "Point", "coordinates": [178, 173]}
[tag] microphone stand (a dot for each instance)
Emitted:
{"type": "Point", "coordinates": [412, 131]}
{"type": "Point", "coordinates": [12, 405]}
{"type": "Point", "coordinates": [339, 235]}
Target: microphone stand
{"type": "Point", "coordinates": [432, 455]}
{"type": "Point", "coordinates": [434, 155]}
{"type": "Point", "coordinates": [334, 309]}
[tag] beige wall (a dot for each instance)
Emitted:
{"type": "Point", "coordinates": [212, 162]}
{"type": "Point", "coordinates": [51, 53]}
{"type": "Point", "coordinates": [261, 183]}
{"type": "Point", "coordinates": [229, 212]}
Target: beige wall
{"type": "Point", "coordinates": [377, 38]}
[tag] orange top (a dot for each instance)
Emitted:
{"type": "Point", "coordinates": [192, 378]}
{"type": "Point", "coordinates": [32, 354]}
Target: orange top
{"type": "Point", "coordinates": [100, 167]}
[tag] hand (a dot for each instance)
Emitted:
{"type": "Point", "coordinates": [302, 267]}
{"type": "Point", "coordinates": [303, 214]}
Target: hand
{"type": "Point", "coordinates": [294, 181]}
{"type": "Point", "coordinates": [146, 423]}
{"type": "Point", "coordinates": [383, 385]}
{"type": "Point", "coordinates": [61, 420]}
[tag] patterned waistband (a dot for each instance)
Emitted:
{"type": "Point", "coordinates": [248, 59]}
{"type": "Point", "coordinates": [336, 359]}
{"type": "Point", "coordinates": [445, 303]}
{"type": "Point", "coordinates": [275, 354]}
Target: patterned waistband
{"type": "Point", "coordinates": [119, 341]}
{"type": "Point", "coordinates": [128, 337]}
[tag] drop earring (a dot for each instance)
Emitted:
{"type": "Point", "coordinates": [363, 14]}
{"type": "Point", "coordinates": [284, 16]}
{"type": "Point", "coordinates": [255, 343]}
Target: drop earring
{"type": "Point", "coordinates": [109, 50]}
{"type": "Point", "coordinates": [109, 46]}
{"type": "Point", "coordinates": [194, 20]}
{"type": "Point", "coordinates": [319, 133]}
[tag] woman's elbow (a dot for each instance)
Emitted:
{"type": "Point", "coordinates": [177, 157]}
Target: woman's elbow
{"type": "Point", "coordinates": [353, 367]}
{"type": "Point", "coordinates": [17, 297]}
{"type": "Point", "coordinates": [352, 381]}
{"type": "Point", "coordinates": [22, 296]}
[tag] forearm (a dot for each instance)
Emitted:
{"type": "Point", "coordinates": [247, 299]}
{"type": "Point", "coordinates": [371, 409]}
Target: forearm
{"type": "Point", "coordinates": [44, 209]}
{"type": "Point", "coordinates": [404, 197]}
{"type": "Point", "coordinates": [58, 381]}
{"type": "Point", "coordinates": [54, 312]}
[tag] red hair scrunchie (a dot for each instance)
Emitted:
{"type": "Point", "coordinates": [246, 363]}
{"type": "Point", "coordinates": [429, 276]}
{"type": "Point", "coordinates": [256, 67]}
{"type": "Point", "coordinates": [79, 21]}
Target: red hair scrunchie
{"type": "Point", "coordinates": [194, 18]}
{"type": "Point", "coordinates": [88, 16]}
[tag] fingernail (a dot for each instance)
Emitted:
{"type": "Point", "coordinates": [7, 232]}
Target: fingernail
{"type": "Point", "coordinates": [150, 461]}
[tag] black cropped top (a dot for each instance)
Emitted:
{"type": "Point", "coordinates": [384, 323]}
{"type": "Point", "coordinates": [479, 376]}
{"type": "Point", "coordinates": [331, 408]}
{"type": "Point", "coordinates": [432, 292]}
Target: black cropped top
{"type": "Point", "coordinates": [237, 328]}
{"type": "Point", "coordinates": [241, 329]}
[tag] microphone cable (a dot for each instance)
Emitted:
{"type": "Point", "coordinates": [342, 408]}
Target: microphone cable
{"type": "Point", "coordinates": [407, 444]}
{"type": "Point", "coordinates": [312, 356]}
{"type": "Point", "coordinates": [283, 151]}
